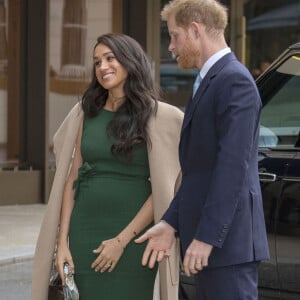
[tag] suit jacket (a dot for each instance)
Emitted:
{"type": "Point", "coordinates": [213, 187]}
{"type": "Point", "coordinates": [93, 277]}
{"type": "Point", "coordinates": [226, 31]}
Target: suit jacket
{"type": "Point", "coordinates": [164, 131]}
{"type": "Point", "coordinates": [219, 201]}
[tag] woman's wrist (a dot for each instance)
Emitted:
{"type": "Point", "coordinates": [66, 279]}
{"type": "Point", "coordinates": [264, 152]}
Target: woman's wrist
{"type": "Point", "coordinates": [61, 242]}
{"type": "Point", "coordinates": [120, 242]}
{"type": "Point", "coordinates": [125, 238]}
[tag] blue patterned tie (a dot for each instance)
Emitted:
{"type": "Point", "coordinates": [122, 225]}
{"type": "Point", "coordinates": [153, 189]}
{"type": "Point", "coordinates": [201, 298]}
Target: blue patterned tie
{"type": "Point", "coordinates": [196, 84]}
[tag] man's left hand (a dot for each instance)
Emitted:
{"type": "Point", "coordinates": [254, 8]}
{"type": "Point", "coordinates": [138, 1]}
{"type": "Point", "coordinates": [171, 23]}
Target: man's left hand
{"type": "Point", "coordinates": [196, 257]}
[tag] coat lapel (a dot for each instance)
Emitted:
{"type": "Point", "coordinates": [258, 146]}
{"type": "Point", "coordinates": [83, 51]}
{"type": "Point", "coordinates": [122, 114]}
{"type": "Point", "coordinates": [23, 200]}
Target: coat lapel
{"type": "Point", "coordinates": [164, 166]}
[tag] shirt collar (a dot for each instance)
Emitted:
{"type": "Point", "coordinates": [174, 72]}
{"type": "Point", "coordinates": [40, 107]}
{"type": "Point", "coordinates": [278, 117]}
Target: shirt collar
{"type": "Point", "coordinates": [212, 60]}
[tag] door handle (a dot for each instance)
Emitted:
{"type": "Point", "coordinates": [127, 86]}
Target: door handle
{"type": "Point", "coordinates": [291, 179]}
{"type": "Point", "coordinates": [267, 177]}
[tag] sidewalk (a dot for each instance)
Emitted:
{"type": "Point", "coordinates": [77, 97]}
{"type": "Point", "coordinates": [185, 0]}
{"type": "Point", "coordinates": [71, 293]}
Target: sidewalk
{"type": "Point", "coordinates": [19, 229]}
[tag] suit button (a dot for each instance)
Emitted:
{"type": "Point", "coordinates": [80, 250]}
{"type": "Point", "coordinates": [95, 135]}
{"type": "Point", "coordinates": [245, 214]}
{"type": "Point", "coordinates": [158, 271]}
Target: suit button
{"type": "Point", "coordinates": [220, 240]}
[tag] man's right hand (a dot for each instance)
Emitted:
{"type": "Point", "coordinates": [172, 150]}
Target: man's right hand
{"type": "Point", "coordinates": [160, 239]}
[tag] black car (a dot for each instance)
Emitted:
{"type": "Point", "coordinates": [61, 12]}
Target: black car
{"type": "Point", "coordinates": [279, 167]}
{"type": "Point", "coordinates": [279, 171]}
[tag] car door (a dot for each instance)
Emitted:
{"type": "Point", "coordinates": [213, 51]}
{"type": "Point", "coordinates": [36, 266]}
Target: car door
{"type": "Point", "coordinates": [279, 175]}
{"type": "Point", "coordinates": [272, 169]}
{"type": "Point", "coordinates": [288, 233]}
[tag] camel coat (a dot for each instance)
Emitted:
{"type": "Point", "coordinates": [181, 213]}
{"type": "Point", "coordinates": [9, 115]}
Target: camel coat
{"type": "Point", "coordinates": [164, 132]}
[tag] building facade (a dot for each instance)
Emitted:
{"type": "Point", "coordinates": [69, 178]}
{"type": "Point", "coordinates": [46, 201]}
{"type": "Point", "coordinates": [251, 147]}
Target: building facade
{"type": "Point", "coordinates": [46, 58]}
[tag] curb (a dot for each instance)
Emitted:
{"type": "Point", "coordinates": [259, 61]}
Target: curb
{"type": "Point", "coordinates": [15, 257]}
{"type": "Point", "coordinates": [15, 260]}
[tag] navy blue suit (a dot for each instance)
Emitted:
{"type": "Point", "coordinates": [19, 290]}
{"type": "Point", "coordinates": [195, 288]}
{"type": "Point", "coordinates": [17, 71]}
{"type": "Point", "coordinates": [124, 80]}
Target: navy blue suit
{"type": "Point", "coordinates": [219, 201]}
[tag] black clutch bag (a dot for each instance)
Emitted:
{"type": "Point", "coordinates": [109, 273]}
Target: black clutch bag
{"type": "Point", "coordinates": [58, 292]}
{"type": "Point", "coordinates": [55, 291]}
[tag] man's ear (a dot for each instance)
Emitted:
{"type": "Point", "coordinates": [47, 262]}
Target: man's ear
{"type": "Point", "coordinates": [195, 30]}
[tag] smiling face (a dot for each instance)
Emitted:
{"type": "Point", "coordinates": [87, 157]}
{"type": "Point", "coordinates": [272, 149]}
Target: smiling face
{"type": "Point", "coordinates": [182, 45]}
{"type": "Point", "coordinates": [109, 72]}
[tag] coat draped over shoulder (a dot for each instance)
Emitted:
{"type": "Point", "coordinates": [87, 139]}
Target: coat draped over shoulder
{"type": "Point", "coordinates": [164, 132]}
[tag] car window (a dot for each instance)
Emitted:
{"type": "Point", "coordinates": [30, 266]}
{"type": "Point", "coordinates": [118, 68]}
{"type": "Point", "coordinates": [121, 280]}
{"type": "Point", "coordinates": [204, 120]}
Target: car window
{"type": "Point", "coordinates": [280, 117]}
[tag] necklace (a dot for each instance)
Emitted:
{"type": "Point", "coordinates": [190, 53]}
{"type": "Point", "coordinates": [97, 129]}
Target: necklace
{"type": "Point", "coordinates": [113, 103]}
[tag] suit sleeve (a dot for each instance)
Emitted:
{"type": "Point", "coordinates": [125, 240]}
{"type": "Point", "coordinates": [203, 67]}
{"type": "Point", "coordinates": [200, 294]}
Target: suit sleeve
{"type": "Point", "coordinates": [171, 215]}
{"type": "Point", "coordinates": [237, 109]}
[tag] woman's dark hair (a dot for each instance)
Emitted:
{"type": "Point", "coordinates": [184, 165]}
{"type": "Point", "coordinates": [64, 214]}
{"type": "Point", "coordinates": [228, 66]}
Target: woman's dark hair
{"type": "Point", "coordinates": [129, 125]}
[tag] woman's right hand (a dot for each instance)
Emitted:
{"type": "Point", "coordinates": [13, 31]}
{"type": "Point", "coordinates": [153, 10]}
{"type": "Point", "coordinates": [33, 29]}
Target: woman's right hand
{"type": "Point", "coordinates": [63, 255]}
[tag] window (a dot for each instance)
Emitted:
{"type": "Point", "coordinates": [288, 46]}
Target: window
{"type": "Point", "coordinates": [280, 118]}
{"type": "Point", "coordinates": [3, 80]}
{"type": "Point", "coordinates": [74, 28]}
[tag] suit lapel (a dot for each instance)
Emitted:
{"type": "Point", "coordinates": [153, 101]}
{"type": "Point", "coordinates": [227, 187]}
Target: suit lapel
{"type": "Point", "coordinates": [193, 102]}
{"type": "Point", "coordinates": [200, 94]}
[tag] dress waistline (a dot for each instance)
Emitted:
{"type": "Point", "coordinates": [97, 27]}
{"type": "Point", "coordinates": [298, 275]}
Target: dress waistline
{"type": "Point", "coordinates": [88, 170]}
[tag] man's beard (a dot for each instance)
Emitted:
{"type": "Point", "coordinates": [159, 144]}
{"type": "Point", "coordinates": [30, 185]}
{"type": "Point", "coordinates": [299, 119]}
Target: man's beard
{"type": "Point", "coordinates": [188, 55]}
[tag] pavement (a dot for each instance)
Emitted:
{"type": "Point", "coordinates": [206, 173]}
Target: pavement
{"type": "Point", "coordinates": [19, 229]}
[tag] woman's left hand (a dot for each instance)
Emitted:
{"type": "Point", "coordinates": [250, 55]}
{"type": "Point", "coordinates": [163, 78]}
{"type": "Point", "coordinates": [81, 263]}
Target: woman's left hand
{"type": "Point", "coordinates": [110, 251]}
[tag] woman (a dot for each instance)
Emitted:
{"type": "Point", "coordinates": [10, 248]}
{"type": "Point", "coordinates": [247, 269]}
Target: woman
{"type": "Point", "coordinates": [121, 136]}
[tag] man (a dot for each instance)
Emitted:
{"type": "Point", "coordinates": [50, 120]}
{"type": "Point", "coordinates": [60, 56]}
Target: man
{"type": "Point", "coordinates": [217, 211]}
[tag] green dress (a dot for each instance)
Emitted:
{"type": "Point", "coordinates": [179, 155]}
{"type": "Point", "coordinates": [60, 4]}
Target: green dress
{"type": "Point", "coordinates": [109, 191]}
